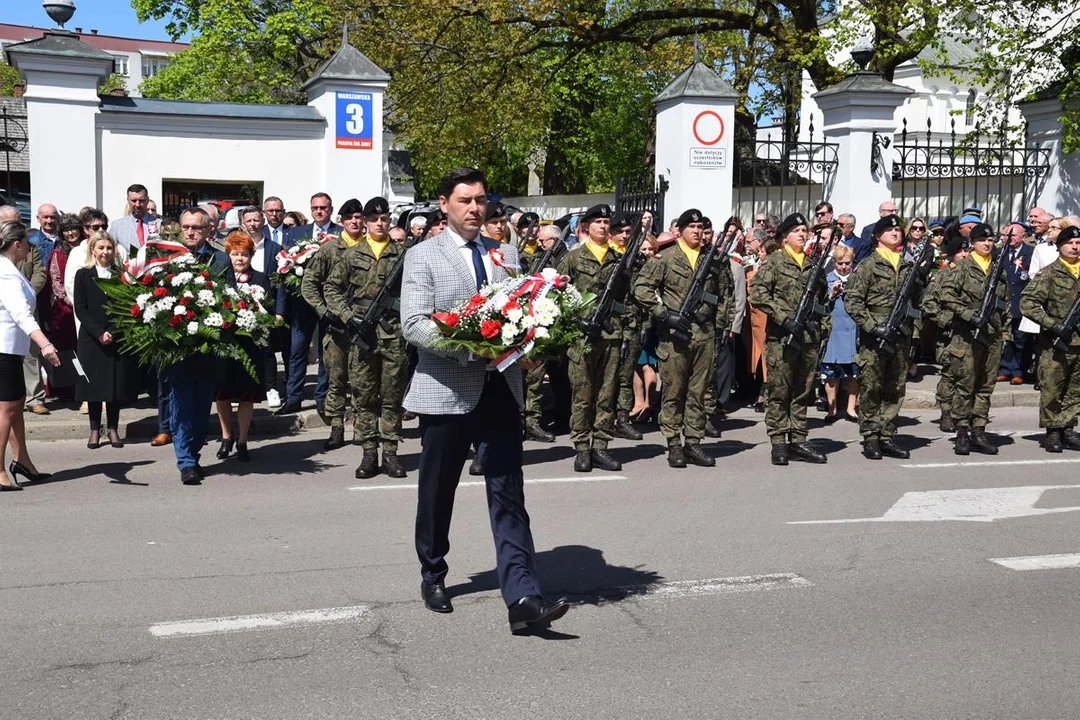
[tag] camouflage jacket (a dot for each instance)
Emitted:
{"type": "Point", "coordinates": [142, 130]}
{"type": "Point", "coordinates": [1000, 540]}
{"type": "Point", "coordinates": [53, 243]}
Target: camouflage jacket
{"type": "Point", "coordinates": [776, 289]}
{"type": "Point", "coordinates": [317, 273]}
{"type": "Point", "coordinates": [931, 300]}
{"type": "Point", "coordinates": [962, 294]}
{"type": "Point", "coordinates": [356, 278]}
{"type": "Point", "coordinates": [1048, 298]}
{"type": "Point", "coordinates": [871, 292]}
{"type": "Point", "coordinates": [664, 281]}
{"type": "Point", "coordinates": [588, 275]}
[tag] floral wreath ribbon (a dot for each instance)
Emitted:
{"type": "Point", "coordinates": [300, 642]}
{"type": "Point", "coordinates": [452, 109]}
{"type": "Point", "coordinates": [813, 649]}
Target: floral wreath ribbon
{"type": "Point", "coordinates": [536, 287]}
{"type": "Point", "coordinates": [137, 267]}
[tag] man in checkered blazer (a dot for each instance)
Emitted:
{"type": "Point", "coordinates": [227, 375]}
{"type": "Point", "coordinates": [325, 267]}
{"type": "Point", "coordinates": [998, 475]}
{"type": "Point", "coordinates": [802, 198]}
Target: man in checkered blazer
{"type": "Point", "coordinates": [460, 400]}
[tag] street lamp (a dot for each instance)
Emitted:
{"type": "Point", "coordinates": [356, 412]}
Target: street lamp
{"type": "Point", "coordinates": [60, 11]}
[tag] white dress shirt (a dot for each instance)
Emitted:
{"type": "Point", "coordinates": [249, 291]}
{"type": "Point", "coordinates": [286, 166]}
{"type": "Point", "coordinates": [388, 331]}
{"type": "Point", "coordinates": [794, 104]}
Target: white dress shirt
{"type": "Point", "coordinates": [17, 301]}
{"type": "Point", "coordinates": [257, 258]}
{"type": "Point", "coordinates": [467, 253]}
{"type": "Point", "coordinates": [1044, 254]}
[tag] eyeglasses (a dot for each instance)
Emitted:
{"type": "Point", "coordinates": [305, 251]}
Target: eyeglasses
{"type": "Point", "coordinates": [821, 213]}
{"type": "Point", "coordinates": [920, 228]}
{"type": "Point", "coordinates": [759, 221]}
{"type": "Point", "coordinates": [320, 207]}
{"type": "Point", "coordinates": [192, 227]}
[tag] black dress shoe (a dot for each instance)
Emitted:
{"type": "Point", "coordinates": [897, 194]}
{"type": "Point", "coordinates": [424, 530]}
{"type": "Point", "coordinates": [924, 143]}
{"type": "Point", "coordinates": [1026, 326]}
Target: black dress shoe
{"type": "Point", "coordinates": [759, 407]}
{"type": "Point", "coordinates": [13, 487]}
{"type": "Point", "coordinates": [779, 454]}
{"type": "Point", "coordinates": [890, 449]}
{"type": "Point", "coordinates": [696, 456]}
{"type": "Point", "coordinates": [803, 451]}
{"type": "Point", "coordinates": [225, 449]}
{"type": "Point", "coordinates": [531, 612]}
{"type": "Point", "coordinates": [603, 460]}
{"type": "Point", "coordinates": [114, 439]}
{"type": "Point", "coordinates": [583, 461]}
{"type": "Point", "coordinates": [435, 597]}
{"type": "Point", "coordinates": [336, 439]}
{"type": "Point", "coordinates": [871, 449]}
{"type": "Point", "coordinates": [189, 476]}
{"type": "Point", "coordinates": [17, 468]}
{"type": "Point", "coordinates": [288, 409]}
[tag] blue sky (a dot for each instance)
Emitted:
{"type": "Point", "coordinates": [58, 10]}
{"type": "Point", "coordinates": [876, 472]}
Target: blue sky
{"type": "Point", "coordinates": [109, 17]}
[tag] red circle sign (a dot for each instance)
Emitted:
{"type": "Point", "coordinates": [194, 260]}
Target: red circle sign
{"type": "Point", "coordinates": [708, 127]}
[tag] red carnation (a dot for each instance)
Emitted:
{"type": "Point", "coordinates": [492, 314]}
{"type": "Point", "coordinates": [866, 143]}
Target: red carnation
{"type": "Point", "coordinates": [175, 320]}
{"type": "Point", "coordinates": [160, 292]}
{"type": "Point", "coordinates": [189, 315]}
{"type": "Point", "coordinates": [226, 304]}
{"type": "Point", "coordinates": [225, 325]}
{"type": "Point", "coordinates": [185, 301]}
{"type": "Point", "coordinates": [510, 306]}
{"type": "Point", "coordinates": [204, 274]}
{"type": "Point", "coordinates": [209, 285]}
{"type": "Point", "coordinates": [490, 328]}
{"type": "Point", "coordinates": [169, 277]}
{"type": "Point", "coordinates": [147, 279]}
{"type": "Point", "coordinates": [135, 311]}
{"type": "Point", "coordinates": [447, 318]}
{"type": "Point", "coordinates": [242, 305]}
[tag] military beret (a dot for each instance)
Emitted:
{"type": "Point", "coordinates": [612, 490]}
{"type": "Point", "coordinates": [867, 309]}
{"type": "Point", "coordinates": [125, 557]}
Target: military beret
{"type": "Point", "coordinates": [936, 224]}
{"type": "Point", "coordinates": [974, 211]}
{"type": "Point", "coordinates": [789, 223]}
{"type": "Point", "coordinates": [1070, 233]}
{"type": "Point", "coordinates": [495, 211]}
{"type": "Point", "coordinates": [966, 218]}
{"type": "Point", "coordinates": [981, 232]}
{"type": "Point", "coordinates": [954, 244]}
{"type": "Point", "coordinates": [889, 221]}
{"type": "Point", "coordinates": [437, 216]}
{"type": "Point", "coordinates": [618, 222]}
{"type": "Point", "coordinates": [693, 215]}
{"type": "Point", "coordinates": [706, 223]}
{"type": "Point", "coordinates": [351, 207]}
{"type": "Point", "coordinates": [526, 218]}
{"type": "Point", "coordinates": [596, 212]}
{"type": "Point", "coordinates": [377, 206]}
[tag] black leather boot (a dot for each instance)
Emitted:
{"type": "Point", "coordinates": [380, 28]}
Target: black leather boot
{"type": "Point", "coordinates": [391, 465]}
{"type": "Point", "coordinates": [945, 422]}
{"type": "Point", "coordinates": [603, 460]}
{"type": "Point", "coordinates": [871, 449]}
{"type": "Point", "coordinates": [696, 456]}
{"type": "Point", "coordinates": [336, 439]}
{"type": "Point", "coordinates": [803, 451]}
{"type": "Point", "coordinates": [980, 444]}
{"type": "Point", "coordinates": [225, 449]}
{"type": "Point", "coordinates": [711, 431]}
{"type": "Point", "coordinates": [533, 431]}
{"type": "Point", "coordinates": [1052, 444]}
{"type": "Point", "coordinates": [889, 448]}
{"type": "Point", "coordinates": [780, 454]}
{"type": "Point", "coordinates": [583, 461]}
{"type": "Point", "coordinates": [369, 464]}
{"type": "Point", "coordinates": [1070, 439]}
{"type": "Point", "coordinates": [676, 458]}
{"type": "Point", "coordinates": [624, 428]}
{"type": "Point", "coordinates": [476, 467]}
{"type": "Point", "coordinates": [962, 446]}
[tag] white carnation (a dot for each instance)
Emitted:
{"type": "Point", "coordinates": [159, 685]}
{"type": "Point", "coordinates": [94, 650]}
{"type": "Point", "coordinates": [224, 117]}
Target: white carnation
{"type": "Point", "coordinates": [184, 259]}
{"type": "Point", "coordinates": [205, 299]}
{"type": "Point", "coordinates": [300, 270]}
{"type": "Point", "coordinates": [256, 291]}
{"type": "Point", "coordinates": [165, 304]}
{"type": "Point", "coordinates": [245, 319]}
{"type": "Point", "coordinates": [514, 315]}
{"type": "Point", "coordinates": [182, 279]}
{"type": "Point", "coordinates": [142, 299]}
{"type": "Point", "coordinates": [192, 328]}
{"type": "Point", "coordinates": [231, 291]}
{"type": "Point", "coordinates": [188, 294]}
{"type": "Point", "coordinates": [549, 274]}
{"type": "Point", "coordinates": [542, 332]}
{"type": "Point", "coordinates": [509, 332]}
{"type": "Point", "coordinates": [179, 310]}
{"type": "Point", "coordinates": [214, 320]}
{"type": "Point", "coordinates": [527, 322]}
{"type": "Point", "coordinates": [149, 315]}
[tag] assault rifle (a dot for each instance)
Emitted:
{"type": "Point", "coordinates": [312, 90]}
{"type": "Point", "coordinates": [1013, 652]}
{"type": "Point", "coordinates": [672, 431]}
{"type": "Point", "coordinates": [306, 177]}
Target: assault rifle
{"type": "Point", "coordinates": [901, 308]}
{"type": "Point", "coordinates": [1063, 331]}
{"type": "Point", "coordinates": [362, 329]}
{"type": "Point", "coordinates": [990, 299]}
{"type": "Point", "coordinates": [680, 321]}
{"type": "Point", "coordinates": [795, 324]}
{"type": "Point", "coordinates": [616, 286]}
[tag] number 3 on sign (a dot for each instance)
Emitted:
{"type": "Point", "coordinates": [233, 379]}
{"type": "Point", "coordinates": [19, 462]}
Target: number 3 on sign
{"type": "Point", "coordinates": [355, 124]}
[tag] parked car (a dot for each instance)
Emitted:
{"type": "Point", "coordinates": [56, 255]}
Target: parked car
{"type": "Point", "coordinates": [229, 219]}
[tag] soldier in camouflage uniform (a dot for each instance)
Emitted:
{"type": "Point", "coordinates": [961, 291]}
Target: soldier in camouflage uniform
{"type": "Point", "coordinates": [973, 362]}
{"type": "Point", "coordinates": [335, 339]}
{"type": "Point", "coordinates": [685, 366]}
{"type": "Point", "coordinates": [377, 378]}
{"type": "Point", "coordinates": [955, 249]}
{"type": "Point", "coordinates": [711, 402]}
{"type": "Point", "coordinates": [594, 373]}
{"type": "Point", "coordinates": [630, 347]}
{"type": "Point", "coordinates": [776, 289]}
{"type": "Point", "coordinates": [529, 258]}
{"type": "Point", "coordinates": [869, 298]}
{"type": "Point", "coordinates": [1047, 301]}
{"type": "Point", "coordinates": [495, 226]}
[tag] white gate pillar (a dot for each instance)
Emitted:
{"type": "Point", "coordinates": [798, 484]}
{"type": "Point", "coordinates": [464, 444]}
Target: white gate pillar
{"type": "Point", "coordinates": [1059, 191]}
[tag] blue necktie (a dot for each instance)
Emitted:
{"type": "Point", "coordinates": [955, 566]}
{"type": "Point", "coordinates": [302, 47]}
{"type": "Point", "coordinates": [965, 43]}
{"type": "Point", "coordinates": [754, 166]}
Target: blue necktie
{"type": "Point", "coordinates": [477, 263]}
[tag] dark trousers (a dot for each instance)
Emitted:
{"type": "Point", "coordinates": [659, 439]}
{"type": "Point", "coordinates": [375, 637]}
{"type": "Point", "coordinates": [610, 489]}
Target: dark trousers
{"type": "Point", "coordinates": [1017, 354]}
{"type": "Point", "coordinates": [305, 327]}
{"type": "Point", "coordinates": [495, 423]}
{"type": "Point", "coordinates": [725, 372]}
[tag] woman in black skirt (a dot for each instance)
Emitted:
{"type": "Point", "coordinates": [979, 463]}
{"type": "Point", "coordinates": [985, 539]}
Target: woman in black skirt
{"type": "Point", "coordinates": [235, 384]}
{"type": "Point", "coordinates": [110, 375]}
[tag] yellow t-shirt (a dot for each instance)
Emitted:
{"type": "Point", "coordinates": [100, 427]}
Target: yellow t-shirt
{"type": "Point", "coordinates": [376, 246]}
{"type": "Point", "coordinates": [1072, 266]}
{"type": "Point", "coordinates": [893, 256]}
{"type": "Point", "coordinates": [599, 251]}
{"type": "Point", "coordinates": [348, 241]}
{"type": "Point", "coordinates": [982, 261]}
{"type": "Point", "coordinates": [690, 253]}
{"type": "Point", "coordinates": [797, 255]}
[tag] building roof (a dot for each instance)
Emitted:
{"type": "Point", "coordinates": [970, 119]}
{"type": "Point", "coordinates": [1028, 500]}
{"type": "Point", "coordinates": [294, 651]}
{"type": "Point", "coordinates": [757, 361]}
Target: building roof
{"type": "Point", "coordinates": [14, 142]}
{"type": "Point", "coordinates": [59, 43]}
{"type": "Point", "coordinates": [698, 80]}
{"type": "Point", "coordinates": [864, 82]}
{"type": "Point", "coordinates": [348, 63]}
{"type": "Point", "coordinates": [957, 53]}
{"type": "Point", "coordinates": [110, 43]}
{"type": "Point", "coordinates": [149, 106]}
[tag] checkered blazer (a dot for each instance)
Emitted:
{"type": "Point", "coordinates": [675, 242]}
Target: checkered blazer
{"type": "Point", "coordinates": [436, 277]}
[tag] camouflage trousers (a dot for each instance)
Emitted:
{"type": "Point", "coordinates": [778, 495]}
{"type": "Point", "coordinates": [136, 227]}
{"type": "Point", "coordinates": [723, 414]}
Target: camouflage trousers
{"type": "Point", "coordinates": [378, 383]}
{"type": "Point", "coordinates": [626, 372]}
{"type": "Point", "coordinates": [1059, 383]}
{"type": "Point", "coordinates": [974, 369]}
{"type": "Point", "coordinates": [943, 393]}
{"type": "Point", "coordinates": [336, 359]}
{"type": "Point", "coordinates": [534, 394]}
{"type": "Point", "coordinates": [686, 371]}
{"type": "Point", "coordinates": [791, 376]}
{"type": "Point", "coordinates": [594, 385]}
{"type": "Point", "coordinates": [882, 383]}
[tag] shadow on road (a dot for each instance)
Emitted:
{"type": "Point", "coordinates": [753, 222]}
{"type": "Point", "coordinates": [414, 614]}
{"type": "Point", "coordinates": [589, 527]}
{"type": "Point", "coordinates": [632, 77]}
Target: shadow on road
{"type": "Point", "coordinates": [116, 472]}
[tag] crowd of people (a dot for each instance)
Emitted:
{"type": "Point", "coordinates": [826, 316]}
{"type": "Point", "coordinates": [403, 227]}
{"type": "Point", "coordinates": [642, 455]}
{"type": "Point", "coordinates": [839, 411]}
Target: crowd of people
{"type": "Point", "coordinates": [747, 343]}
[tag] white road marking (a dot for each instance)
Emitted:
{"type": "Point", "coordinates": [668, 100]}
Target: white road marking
{"type": "Point", "coordinates": [989, 463]}
{"type": "Point", "coordinates": [267, 621]}
{"type": "Point", "coordinates": [976, 505]}
{"type": "Point", "coordinates": [480, 483]}
{"type": "Point", "coordinates": [1040, 562]}
{"type": "Point", "coordinates": [718, 586]}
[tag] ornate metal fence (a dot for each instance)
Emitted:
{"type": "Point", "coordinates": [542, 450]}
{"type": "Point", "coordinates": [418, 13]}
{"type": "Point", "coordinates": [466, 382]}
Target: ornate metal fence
{"type": "Point", "coordinates": [779, 177]}
{"type": "Point", "coordinates": [13, 140]}
{"type": "Point", "coordinates": [938, 174]}
{"type": "Point", "coordinates": [636, 195]}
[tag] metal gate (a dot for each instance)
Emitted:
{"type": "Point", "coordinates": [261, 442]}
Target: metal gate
{"type": "Point", "coordinates": [13, 141]}
{"type": "Point", "coordinates": [636, 195]}
{"type": "Point", "coordinates": [937, 174]}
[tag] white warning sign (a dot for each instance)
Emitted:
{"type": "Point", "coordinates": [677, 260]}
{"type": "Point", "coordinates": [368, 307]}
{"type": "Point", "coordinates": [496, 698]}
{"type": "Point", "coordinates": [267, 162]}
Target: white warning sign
{"type": "Point", "coordinates": [707, 157]}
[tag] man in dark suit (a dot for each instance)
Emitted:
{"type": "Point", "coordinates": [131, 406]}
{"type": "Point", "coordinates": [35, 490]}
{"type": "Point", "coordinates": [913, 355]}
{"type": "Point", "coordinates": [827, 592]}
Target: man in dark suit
{"type": "Point", "coordinates": [462, 400]}
{"type": "Point", "coordinates": [1017, 354]}
{"type": "Point", "coordinates": [253, 222]}
{"type": "Point", "coordinates": [303, 322]}
{"type": "Point", "coordinates": [865, 244]}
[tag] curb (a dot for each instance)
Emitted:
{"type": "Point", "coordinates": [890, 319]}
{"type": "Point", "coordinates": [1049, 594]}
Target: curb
{"type": "Point", "coordinates": [146, 427]}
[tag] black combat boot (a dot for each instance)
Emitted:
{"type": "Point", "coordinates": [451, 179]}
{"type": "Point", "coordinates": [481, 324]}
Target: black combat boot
{"type": "Point", "coordinates": [476, 467]}
{"type": "Point", "coordinates": [336, 439]}
{"type": "Point", "coordinates": [980, 444]}
{"type": "Point", "coordinates": [1052, 443]}
{"type": "Point", "coordinates": [391, 465]}
{"type": "Point", "coordinates": [603, 460]}
{"type": "Point", "coordinates": [1070, 439]}
{"type": "Point", "coordinates": [889, 448]}
{"type": "Point", "coordinates": [583, 461]}
{"type": "Point", "coordinates": [696, 456]}
{"type": "Point", "coordinates": [369, 464]}
{"type": "Point", "coordinates": [803, 451]}
{"type": "Point", "coordinates": [780, 454]}
{"type": "Point", "coordinates": [624, 428]}
{"type": "Point", "coordinates": [871, 449]}
{"type": "Point", "coordinates": [676, 458]}
{"type": "Point", "coordinates": [962, 446]}
{"type": "Point", "coordinates": [711, 431]}
{"type": "Point", "coordinates": [945, 422]}
{"type": "Point", "coordinates": [533, 431]}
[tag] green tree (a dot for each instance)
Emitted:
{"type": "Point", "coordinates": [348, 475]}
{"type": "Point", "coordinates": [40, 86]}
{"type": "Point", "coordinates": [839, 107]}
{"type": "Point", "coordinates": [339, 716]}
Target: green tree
{"type": "Point", "coordinates": [115, 81]}
{"type": "Point", "coordinates": [8, 77]}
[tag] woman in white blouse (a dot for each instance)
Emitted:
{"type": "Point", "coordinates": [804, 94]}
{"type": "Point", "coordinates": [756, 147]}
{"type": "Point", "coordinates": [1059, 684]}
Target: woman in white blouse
{"type": "Point", "coordinates": [17, 329]}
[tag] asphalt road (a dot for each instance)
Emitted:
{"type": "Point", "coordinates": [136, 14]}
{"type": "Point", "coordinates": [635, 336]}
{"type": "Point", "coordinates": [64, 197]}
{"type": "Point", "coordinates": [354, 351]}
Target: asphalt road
{"type": "Point", "coordinates": [696, 595]}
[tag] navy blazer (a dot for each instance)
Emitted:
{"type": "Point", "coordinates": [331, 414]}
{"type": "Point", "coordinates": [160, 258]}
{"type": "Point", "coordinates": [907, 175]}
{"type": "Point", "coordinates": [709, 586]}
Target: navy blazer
{"type": "Point", "coordinates": [1017, 264]}
{"type": "Point", "coordinates": [217, 260]}
{"type": "Point", "coordinates": [305, 231]}
{"type": "Point", "coordinates": [283, 232]}
{"type": "Point", "coordinates": [864, 244]}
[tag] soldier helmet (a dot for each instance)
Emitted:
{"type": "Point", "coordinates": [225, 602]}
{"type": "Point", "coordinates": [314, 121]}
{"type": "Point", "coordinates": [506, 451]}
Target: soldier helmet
{"type": "Point", "coordinates": [1070, 233]}
{"type": "Point", "coordinates": [693, 215]}
{"type": "Point", "coordinates": [377, 206]}
{"type": "Point", "coordinates": [351, 207]}
{"type": "Point", "coordinates": [789, 223]}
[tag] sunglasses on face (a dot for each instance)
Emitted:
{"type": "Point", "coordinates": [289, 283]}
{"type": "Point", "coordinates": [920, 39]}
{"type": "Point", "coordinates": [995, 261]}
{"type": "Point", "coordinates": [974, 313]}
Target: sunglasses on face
{"type": "Point", "coordinates": [822, 213]}
{"type": "Point", "coordinates": [920, 228]}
